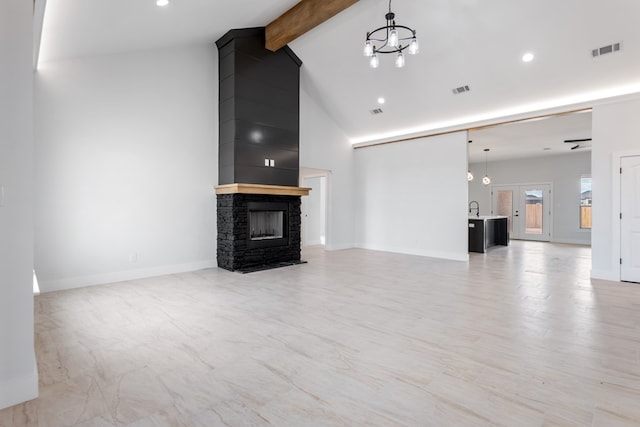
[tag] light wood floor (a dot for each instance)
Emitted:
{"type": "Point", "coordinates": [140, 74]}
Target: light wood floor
{"type": "Point", "coordinates": [517, 337]}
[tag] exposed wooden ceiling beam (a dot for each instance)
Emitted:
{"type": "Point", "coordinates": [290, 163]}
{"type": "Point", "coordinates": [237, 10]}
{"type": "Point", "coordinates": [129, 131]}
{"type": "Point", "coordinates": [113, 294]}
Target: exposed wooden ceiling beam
{"type": "Point", "coordinates": [301, 18]}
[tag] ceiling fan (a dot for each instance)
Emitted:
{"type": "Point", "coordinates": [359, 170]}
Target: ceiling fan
{"type": "Point", "coordinates": [578, 143]}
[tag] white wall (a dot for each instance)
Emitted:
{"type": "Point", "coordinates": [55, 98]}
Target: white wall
{"type": "Point", "coordinates": [412, 197]}
{"type": "Point", "coordinates": [615, 132]}
{"type": "Point", "coordinates": [126, 161]}
{"type": "Point", "coordinates": [18, 372]}
{"type": "Point", "coordinates": [562, 171]}
{"type": "Point", "coordinates": [324, 146]}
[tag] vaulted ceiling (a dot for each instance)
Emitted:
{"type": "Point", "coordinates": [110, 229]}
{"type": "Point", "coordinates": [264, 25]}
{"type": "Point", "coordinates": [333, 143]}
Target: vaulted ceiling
{"type": "Point", "coordinates": [462, 42]}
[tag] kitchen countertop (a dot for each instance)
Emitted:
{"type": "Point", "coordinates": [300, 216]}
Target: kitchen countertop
{"type": "Point", "coordinates": [485, 217]}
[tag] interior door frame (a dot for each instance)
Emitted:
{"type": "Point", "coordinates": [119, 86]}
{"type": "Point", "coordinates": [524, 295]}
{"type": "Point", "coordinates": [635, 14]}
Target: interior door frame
{"type": "Point", "coordinates": [616, 205]}
{"type": "Point", "coordinates": [522, 214]}
{"type": "Point", "coordinates": [320, 211]}
{"type": "Point", "coordinates": [306, 172]}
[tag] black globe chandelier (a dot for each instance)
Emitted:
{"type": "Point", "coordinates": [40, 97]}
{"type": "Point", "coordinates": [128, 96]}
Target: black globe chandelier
{"type": "Point", "coordinates": [392, 38]}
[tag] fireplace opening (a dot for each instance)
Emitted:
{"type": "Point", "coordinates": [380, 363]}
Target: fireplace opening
{"type": "Point", "coordinates": [268, 224]}
{"type": "Point", "coordinates": [265, 225]}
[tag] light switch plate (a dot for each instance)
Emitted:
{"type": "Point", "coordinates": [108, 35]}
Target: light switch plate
{"type": "Point", "coordinates": [2, 195]}
{"type": "Point", "coordinates": [272, 163]}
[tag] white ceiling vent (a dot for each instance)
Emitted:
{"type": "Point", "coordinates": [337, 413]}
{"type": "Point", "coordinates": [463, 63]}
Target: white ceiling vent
{"type": "Point", "coordinates": [376, 111]}
{"type": "Point", "coordinates": [615, 47]}
{"type": "Point", "coordinates": [461, 89]}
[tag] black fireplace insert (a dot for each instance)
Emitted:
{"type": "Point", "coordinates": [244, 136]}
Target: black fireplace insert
{"type": "Point", "coordinates": [268, 224]}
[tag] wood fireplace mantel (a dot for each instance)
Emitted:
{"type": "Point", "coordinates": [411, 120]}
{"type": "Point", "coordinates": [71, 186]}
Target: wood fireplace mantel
{"type": "Point", "coordinates": [278, 190]}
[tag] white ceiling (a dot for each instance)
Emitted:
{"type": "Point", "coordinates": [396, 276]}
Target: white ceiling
{"type": "Point", "coordinates": [76, 28]}
{"type": "Point", "coordinates": [472, 42]}
{"type": "Point", "coordinates": [531, 138]}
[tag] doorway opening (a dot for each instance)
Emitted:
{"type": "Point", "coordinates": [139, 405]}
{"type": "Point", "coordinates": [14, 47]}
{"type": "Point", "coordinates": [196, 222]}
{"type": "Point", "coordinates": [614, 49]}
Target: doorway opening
{"type": "Point", "coordinates": [314, 206]}
{"type": "Point", "coordinates": [536, 151]}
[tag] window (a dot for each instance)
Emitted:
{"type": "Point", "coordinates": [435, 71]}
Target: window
{"type": "Point", "coordinates": [585, 202]}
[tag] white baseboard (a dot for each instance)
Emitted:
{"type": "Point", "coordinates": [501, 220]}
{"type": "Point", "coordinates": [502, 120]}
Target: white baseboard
{"type": "Point", "coordinates": [452, 256]}
{"type": "Point", "coordinates": [17, 390]}
{"type": "Point", "coordinates": [572, 241]}
{"type": "Point", "coordinates": [120, 276]}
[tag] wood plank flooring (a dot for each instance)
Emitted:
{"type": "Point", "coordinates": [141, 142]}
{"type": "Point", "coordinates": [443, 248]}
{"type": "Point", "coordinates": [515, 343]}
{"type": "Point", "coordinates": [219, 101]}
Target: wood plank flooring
{"type": "Point", "coordinates": [519, 336]}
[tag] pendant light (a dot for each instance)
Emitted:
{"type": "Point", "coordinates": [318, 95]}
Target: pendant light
{"type": "Point", "coordinates": [486, 180]}
{"type": "Point", "coordinates": [374, 62]}
{"type": "Point", "coordinates": [469, 174]}
{"type": "Point", "coordinates": [391, 38]}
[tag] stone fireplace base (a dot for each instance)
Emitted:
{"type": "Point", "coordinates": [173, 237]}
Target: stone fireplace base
{"type": "Point", "coordinates": [237, 250]}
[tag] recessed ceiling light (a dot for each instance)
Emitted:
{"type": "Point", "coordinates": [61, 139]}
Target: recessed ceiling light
{"type": "Point", "coordinates": [527, 57]}
{"type": "Point", "coordinates": [381, 100]}
{"type": "Point", "coordinates": [162, 3]}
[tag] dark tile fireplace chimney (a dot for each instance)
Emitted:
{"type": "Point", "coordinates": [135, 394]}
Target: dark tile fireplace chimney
{"type": "Point", "coordinates": [258, 198]}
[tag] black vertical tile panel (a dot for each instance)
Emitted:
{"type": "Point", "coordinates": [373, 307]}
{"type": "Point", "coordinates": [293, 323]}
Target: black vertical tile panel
{"type": "Point", "coordinates": [259, 110]}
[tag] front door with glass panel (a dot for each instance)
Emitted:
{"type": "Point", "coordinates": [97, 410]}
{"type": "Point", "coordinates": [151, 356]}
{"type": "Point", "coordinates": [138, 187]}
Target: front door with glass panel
{"type": "Point", "coordinates": [505, 203]}
{"type": "Point", "coordinates": [527, 207]}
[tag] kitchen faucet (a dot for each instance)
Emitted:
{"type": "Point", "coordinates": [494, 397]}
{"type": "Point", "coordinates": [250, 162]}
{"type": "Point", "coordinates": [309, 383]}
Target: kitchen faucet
{"type": "Point", "coordinates": [477, 207]}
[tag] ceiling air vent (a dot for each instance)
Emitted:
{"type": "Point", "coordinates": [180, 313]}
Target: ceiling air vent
{"type": "Point", "coordinates": [615, 47]}
{"type": "Point", "coordinates": [376, 111]}
{"type": "Point", "coordinates": [461, 89]}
